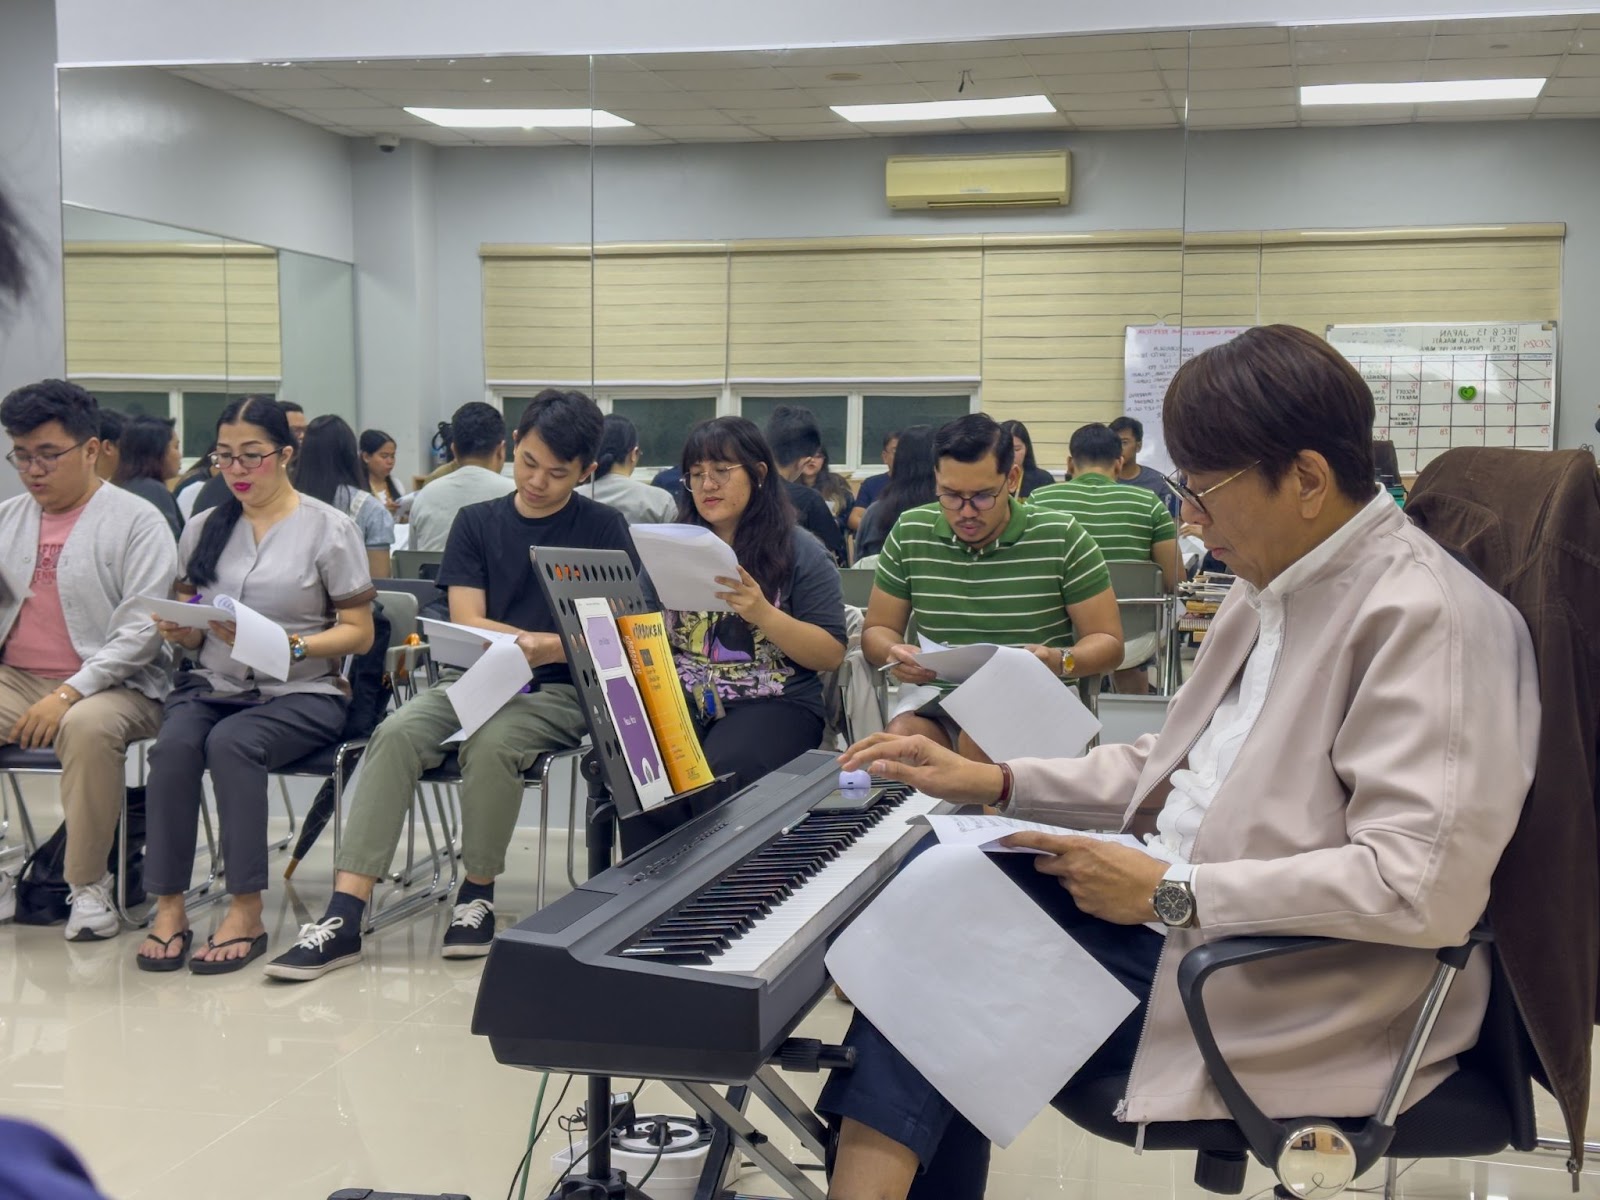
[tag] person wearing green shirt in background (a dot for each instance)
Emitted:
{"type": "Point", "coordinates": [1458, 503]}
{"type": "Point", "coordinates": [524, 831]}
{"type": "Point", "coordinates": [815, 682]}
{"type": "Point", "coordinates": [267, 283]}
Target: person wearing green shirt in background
{"type": "Point", "coordinates": [1129, 524]}
{"type": "Point", "coordinates": [978, 565]}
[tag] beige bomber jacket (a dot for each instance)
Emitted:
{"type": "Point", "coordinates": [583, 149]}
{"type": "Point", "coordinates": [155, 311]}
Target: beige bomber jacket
{"type": "Point", "coordinates": [1370, 802]}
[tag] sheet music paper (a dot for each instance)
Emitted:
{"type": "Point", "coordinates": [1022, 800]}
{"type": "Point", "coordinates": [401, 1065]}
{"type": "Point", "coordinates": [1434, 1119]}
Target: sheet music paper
{"type": "Point", "coordinates": [683, 563]}
{"type": "Point", "coordinates": [259, 642]}
{"type": "Point", "coordinates": [455, 645]}
{"type": "Point", "coordinates": [984, 831]}
{"type": "Point", "coordinates": [983, 993]}
{"type": "Point", "coordinates": [1015, 707]}
{"type": "Point", "coordinates": [500, 674]}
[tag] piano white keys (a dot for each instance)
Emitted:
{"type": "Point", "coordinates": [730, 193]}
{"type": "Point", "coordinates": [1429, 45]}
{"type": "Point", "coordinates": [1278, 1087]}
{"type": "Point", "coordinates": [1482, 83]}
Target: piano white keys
{"type": "Point", "coordinates": [767, 946]}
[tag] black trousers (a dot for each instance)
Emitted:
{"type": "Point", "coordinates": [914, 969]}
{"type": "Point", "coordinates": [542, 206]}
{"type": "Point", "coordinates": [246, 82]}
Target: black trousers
{"type": "Point", "coordinates": [886, 1093]}
{"type": "Point", "coordinates": [759, 736]}
{"type": "Point", "coordinates": [238, 742]}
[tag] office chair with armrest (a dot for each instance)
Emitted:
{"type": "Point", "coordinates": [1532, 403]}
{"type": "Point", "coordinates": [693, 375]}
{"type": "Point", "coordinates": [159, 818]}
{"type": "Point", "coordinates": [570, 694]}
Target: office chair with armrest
{"type": "Point", "coordinates": [1483, 1108]}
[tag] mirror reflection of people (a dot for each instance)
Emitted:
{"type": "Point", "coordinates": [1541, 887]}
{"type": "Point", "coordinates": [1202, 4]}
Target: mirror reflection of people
{"type": "Point", "coordinates": [613, 483]}
{"type": "Point", "coordinates": [477, 449]}
{"type": "Point", "coordinates": [1348, 760]}
{"type": "Point", "coordinates": [329, 468]}
{"type": "Point", "coordinates": [377, 457]}
{"type": "Point", "coordinates": [1131, 431]}
{"type": "Point", "coordinates": [148, 457]}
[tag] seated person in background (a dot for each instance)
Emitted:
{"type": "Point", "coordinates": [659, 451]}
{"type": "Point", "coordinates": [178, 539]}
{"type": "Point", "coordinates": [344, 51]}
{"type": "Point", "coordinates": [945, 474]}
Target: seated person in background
{"type": "Point", "coordinates": [1033, 475]}
{"type": "Point", "coordinates": [216, 490]}
{"type": "Point", "coordinates": [1305, 783]}
{"type": "Point", "coordinates": [1131, 431]}
{"type": "Point", "coordinates": [191, 481]}
{"type": "Point", "coordinates": [1128, 524]}
{"type": "Point", "coordinates": [478, 446]}
{"type": "Point", "coordinates": [328, 468]}
{"type": "Point", "coordinates": [110, 435]}
{"type": "Point", "coordinates": [669, 479]}
{"type": "Point", "coordinates": [613, 483]}
{"type": "Point", "coordinates": [83, 678]}
{"type": "Point", "coordinates": [981, 566]}
{"type": "Point", "coordinates": [148, 456]}
{"type": "Point", "coordinates": [299, 563]}
{"type": "Point", "coordinates": [377, 467]}
{"type": "Point", "coordinates": [872, 486]}
{"type": "Point", "coordinates": [795, 438]}
{"type": "Point", "coordinates": [751, 674]}
{"type": "Point", "coordinates": [911, 485]}
{"type": "Point", "coordinates": [489, 578]}
{"type": "Point", "coordinates": [820, 477]}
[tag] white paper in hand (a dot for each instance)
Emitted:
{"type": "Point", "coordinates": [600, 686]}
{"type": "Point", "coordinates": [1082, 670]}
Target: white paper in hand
{"type": "Point", "coordinates": [259, 642]}
{"type": "Point", "coordinates": [990, 999]}
{"type": "Point", "coordinates": [1015, 707]}
{"type": "Point", "coordinates": [180, 612]}
{"type": "Point", "coordinates": [459, 645]}
{"type": "Point", "coordinates": [985, 831]}
{"type": "Point", "coordinates": [500, 674]}
{"type": "Point", "coordinates": [683, 562]}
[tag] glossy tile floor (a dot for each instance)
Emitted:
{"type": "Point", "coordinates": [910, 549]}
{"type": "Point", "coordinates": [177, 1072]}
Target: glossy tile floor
{"type": "Point", "coordinates": [234, 1088]}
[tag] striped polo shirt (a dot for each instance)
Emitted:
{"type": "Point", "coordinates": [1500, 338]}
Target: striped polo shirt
{"type": "Point", "coordinates": [1013, 592]}
{"type": "Point", "coordinates": [1125, 522]}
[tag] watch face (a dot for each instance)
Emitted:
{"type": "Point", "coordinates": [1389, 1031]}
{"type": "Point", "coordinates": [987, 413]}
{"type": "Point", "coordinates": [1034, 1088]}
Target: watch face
{"type": "Point", "coordinates": [1173, 903]}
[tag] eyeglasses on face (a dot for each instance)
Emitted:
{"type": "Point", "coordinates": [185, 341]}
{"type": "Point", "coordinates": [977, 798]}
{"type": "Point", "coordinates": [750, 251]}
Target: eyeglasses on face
{"type": "Point", "coordinates": [980, 501]}
{"type": "Point", "coordinates": [45, 460]}
{"type": "Point", "coordinates": [1180, 487]}
{"type": "Point", "coordinates": [717, 477]}
{"type": "Point", "coordinates": [249, 460]}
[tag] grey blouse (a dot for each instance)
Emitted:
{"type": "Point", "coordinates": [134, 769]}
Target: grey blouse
{"type": "Point", "coordinates": [308, 564]}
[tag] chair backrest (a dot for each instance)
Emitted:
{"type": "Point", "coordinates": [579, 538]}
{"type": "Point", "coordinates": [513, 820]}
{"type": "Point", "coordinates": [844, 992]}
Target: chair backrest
{"type": "Point", "coordinates": [425, 591]}
{"type": "Point", "coordinates": [1136, 581]}
{"type": "Point", "coordinates": [857, 585]}
{"type": "Point", "coordinates": [417, 564]}
{"type": "Point", "coordinates": [401, 609]}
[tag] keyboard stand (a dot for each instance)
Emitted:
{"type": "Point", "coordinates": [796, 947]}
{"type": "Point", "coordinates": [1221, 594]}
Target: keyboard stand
{"type": "Point", "coordinates": [727, 1116]}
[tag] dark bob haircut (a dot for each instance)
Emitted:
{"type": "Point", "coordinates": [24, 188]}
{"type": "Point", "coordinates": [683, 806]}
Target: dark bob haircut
{"type": "Point", "coordinates": [1266, 396]}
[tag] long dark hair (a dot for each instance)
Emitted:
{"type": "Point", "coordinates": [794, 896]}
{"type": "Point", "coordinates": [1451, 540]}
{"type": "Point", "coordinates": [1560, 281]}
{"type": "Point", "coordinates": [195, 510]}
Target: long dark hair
{"type": "Point", "coordinates": [1016, 429]}
{"type": "Point", "coordinates": [142, 449]}
{"type": "Point", "coordinates": [911, 483]}
{"type": "Point", "coordinates": [264, 413]}
{"type": "Point", "coordinates": [200, 471]}
{"type": "Point", "coordinates": [764, 541]}
{"type": "Point", "coordinates": [373, 440]}
{"type": "Point", "coordinates": [618, 439]}
{"type": "Point", "coordinates": [833, 487]}
{"type": "Point", "coordinates": [328, 461]}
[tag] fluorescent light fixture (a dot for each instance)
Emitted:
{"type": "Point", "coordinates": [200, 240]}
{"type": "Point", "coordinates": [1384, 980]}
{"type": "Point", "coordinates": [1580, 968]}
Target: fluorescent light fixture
{"type": "Point", "coordinates": [944, 110]}
{"type": "Point", "coordinates": [521, 118]}
{"type": "Point", "coordinates": [1440, 92]}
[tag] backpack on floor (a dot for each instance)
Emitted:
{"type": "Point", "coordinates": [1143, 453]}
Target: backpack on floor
{"type": "Point", "coordinates": [43, 897]}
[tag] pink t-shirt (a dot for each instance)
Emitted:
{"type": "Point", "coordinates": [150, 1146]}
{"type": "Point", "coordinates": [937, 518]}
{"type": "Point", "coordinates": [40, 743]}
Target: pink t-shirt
{"type": "Point", "coordinates": [39, 643]}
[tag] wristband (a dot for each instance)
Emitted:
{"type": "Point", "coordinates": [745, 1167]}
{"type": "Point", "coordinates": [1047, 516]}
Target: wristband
{"type": "Point", "coordinates": [1007, 781]}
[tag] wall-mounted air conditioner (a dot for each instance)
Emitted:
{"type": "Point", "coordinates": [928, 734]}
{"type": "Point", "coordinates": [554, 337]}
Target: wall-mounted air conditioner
{"type": "Point", "coordinates": [1038, 179]}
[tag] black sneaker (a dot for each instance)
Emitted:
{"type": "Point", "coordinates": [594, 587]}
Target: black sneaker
{"type": "Point", "coordinates": [471, 930]}
{"type": "Point", "coordinates": [322, 947]}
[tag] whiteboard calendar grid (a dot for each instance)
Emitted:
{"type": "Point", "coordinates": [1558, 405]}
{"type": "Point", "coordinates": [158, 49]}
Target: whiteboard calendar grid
{"type": "Point", "coordinates": [1438, 386]}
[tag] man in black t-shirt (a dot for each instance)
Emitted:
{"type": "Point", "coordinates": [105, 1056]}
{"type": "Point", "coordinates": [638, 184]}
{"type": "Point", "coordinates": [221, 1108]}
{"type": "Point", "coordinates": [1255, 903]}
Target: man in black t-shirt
{"type": "Point", "coordinates": [489, 579]}
{"type": "Point", "coordinates": [794, 435]}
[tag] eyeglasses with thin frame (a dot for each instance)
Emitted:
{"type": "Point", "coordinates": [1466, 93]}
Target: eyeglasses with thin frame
{"type": "Point", "coordinates": [697, 481]}
{"type": "Point", "coordinates": [1188, 495]}
{"type": "Point", "coordinates": [45, 460]}
{"type": "Point", "coordinates": [980, 501]}
{"type": "Point", "coordinates": [249, 460]}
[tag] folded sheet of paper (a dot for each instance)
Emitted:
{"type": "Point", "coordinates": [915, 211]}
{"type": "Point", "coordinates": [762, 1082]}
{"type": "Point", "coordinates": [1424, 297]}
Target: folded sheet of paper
{"type": "Point", "coordinates": [259, 642]}
{"type": "Point", "coordinates": [459, 645]}
{"type": "Point", "coordinates": [683, 562]}
{"type": "Point", "coordinates": [957, 664]}
{"type": "Point", "coordinates": [1015, 707]}
{"type": "Point", "coordinates": [989, 998]}
{"type": "Point", "coordinates": [985, 831]}
{"type": "Point", "coordinates": [500, 674]}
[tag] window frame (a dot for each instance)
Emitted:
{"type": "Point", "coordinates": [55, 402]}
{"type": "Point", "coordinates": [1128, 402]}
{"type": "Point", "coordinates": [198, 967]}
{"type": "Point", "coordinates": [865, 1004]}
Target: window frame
{"type": "Point", "coordinates": [175, 387]}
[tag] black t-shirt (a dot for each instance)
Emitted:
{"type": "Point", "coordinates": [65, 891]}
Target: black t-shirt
{"type": "Point", "coordinates": [816, 516]}
{"type": "Point", "coordinates": [488, 549]}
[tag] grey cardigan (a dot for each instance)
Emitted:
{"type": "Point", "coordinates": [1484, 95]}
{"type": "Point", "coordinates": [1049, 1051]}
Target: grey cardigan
{"type": "Point", "coordinates": [120, 549]}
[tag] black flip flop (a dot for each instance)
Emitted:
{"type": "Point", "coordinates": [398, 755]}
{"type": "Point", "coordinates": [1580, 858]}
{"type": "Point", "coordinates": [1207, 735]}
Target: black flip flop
{"type": "Point", "coordinates": [226, 966]}
{"type": "Point", "coordinates": [166, 962]}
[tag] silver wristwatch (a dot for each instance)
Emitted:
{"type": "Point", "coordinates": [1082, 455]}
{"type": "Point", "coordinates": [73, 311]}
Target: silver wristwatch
{"type": "Point", "coordinates": [1174, 903]}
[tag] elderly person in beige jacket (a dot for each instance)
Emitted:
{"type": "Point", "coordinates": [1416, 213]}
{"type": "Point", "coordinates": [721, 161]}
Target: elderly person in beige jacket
{"type": "Point", "coordinates": [1349, 760]}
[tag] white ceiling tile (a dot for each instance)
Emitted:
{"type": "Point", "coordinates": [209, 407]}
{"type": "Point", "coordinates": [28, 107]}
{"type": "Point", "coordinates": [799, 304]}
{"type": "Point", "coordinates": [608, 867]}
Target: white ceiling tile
{"type": "Point", "coordinates": [1087, 43]}
{"type": "Point", "coordinates": [633, 135]}
{"type": "Point", "coordinates": [1156, 119]}
{"type": "Point", "coordinates": [977, 89]}
{"type": "Point", "coordinates": [1491, 45]}
{"type": "Point", "coordinates": [1490, 68]}
{"type": "Point", "coordinates": [1173, 39]}
{"type": "Point", "coordinates": [1077, 102]}
{"type": "Point", "coordinates": [734, 101]}
{"type": "Point", "coordinates": [737, 79]}
{"type": "Point", "coordinates": [1366, 50]}
{"type": "Point", "coordinates": [869, 74]}
{"type": "Point", "coordinates": [1273, 54]}
{"type": "Point", "coordinates": [1327, 117]}
{"type": "Point", "coordinates": [193, 74]}
{"type": "Point", "coordinates": [1128, 81]}
{"type": "Point", "coordinates": [1242, 98]}
{"type": "Point", "coordinates": [708, 133]}
{"type": "Point", "coordinates": [1580, 65]}
{"type": "Point", "coordinates": [894, 128]}
{"type": "Point", "coordinates": [793, 132]}
{"type": "Point", "coordinates": [844, 57]}
{"type": "Point", "coordinates": [1098, 64]}
{"type": "Point", "coordinates": [630, 82]}
{"type": "Point", "coordinates": [1357, 114]}
{"type": "Point", "coordinates": [1380, 29]}
{"type": "Point", "coordinates": [923, 51]}
{"type": "Point", "coordinates": [666, 118]}
{"type": "Point", "coordinates": [700, 61]}
{"type": "Point", "coordinates": [1475, 109]}
{"type": "Point", "coordinates": [1564, 86]}
{"type": "Point", "coordinates": [263, 78]}
{"type": "Point", "coordinates": [1571, 105]}
{"type": "Point", "coordinates": [1053, 120]}
{"type": "Point", "coordinates": [362, 118]}
{"type": "Point", "coordinates": [1514, 24]}
{"type": "Point", "coordinates": [1262, 36]}
{"type": "Point", "coordinates": [758, 117]}
{"type": "Point", "coordinates": [849, 93]}
{"type": "Point", "coordinates": [1237, 117]}
{"type": "Point", "coordinates": [942, 70]}
{"type": "Point", "coordinates": [1172, 60]}
{"type": "Point", "coordinates": [322, 98]}
{"type": "Point", "coordinates": [1175, 81]}
{"type": "Point", "coordinates": [1244, 77]}
{"type": "Point", "coordinates": [1379, 72]}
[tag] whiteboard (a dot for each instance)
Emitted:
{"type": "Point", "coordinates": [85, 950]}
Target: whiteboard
{"type": "Point", "coordinates": [1440, 386]}
{"type": "Point", "coordinates": [1151, 356]}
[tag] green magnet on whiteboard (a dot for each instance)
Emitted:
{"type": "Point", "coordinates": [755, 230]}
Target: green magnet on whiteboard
{"type": "Point", "coordinates": [1467, 393]}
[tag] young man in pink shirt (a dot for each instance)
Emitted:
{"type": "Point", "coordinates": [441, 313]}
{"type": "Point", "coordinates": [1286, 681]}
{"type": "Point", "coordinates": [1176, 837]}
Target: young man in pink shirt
{"type": "Point", "coordinates": [81, 665]}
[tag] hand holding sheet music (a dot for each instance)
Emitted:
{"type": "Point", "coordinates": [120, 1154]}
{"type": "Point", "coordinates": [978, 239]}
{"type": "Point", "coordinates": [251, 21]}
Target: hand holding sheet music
{"type": "Point", "coordinates": [683, 562]}
{"type": "Point", "coordinates": [259, 642]}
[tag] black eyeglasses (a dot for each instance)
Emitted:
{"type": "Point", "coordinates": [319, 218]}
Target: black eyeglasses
{"type": "Point", "coordinates": [1188, 495]}
{"type": "Point", "coordinates": [980, 501]}
{"type": "Point", "coordinates": [249, 460]}
{"type": "Point", "coordinates": [45, 460]}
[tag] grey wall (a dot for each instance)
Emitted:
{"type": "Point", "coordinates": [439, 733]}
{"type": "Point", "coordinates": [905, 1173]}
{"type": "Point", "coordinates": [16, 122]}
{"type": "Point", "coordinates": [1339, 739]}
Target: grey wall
{"type": "Point", "coordinates": [87, 225]}
{"type": "Point", "coordinates": [316, 320]}
{"type": "Point", "coordinates": [149, 145]}
{"type": "Point", "coordinates": [33, 334]}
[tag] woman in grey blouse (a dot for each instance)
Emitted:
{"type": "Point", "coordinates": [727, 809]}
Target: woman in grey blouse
{"type": "Point", "coordinates": [301, 564]}
{"type": "Point", "coordinates": [328, 467]}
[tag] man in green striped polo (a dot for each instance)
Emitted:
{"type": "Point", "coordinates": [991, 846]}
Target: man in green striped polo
{"type": "Point", "coordinates": [980, 566]}
{"type": "Point", "coordinates": [1129, 524]}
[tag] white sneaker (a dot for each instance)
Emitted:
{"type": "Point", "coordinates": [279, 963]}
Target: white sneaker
{"type": "Point", "coordinates": [94, 915]}
{"type": "Point", "coordinates": [8, 896]}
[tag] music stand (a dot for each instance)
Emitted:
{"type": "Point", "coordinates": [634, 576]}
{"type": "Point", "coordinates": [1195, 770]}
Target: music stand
{"type": "Point", "coordinates": [565, 575]}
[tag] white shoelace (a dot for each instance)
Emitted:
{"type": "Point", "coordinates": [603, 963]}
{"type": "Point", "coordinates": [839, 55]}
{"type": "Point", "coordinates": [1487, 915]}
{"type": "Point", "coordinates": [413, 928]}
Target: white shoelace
{"type": "Point", "coordinates": [97, 895]}
{"type": "Point", "coordinates": [471, 914]}
{"type": "Point", "coordinates": [316, 935]}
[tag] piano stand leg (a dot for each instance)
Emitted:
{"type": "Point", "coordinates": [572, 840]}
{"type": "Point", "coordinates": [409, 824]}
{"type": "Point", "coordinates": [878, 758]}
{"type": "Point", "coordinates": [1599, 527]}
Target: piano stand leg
{"type": "Point", "coordinates": [706, 1101]}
